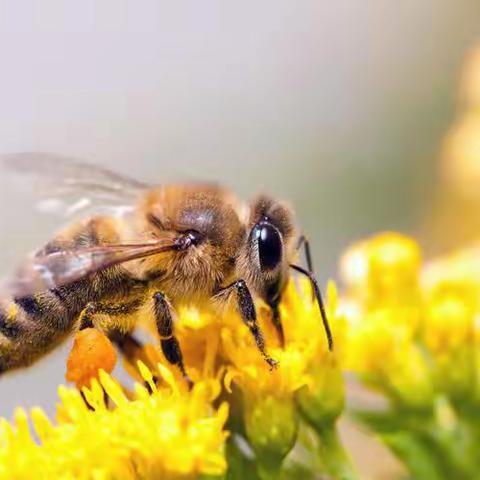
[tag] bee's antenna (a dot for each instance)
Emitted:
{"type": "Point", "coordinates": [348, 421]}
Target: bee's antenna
{"type": "Point", "coordinates": [303, 242]}
{"type": "Point", "coordinates": [318, 296]}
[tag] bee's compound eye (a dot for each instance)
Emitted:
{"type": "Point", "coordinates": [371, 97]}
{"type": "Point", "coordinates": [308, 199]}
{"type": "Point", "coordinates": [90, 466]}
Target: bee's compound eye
{"type": "Point", "coordinates": [269, 245]}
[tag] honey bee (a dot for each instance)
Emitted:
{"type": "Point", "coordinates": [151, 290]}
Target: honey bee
{"type": "Point", "coordinates": [140, 244]}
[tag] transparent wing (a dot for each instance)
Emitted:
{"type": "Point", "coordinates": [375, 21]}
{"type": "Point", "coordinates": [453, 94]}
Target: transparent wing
{"type": "Point", "coordinates": [46, 272]}
{"type": "Point", "coordinates": [68, 186]}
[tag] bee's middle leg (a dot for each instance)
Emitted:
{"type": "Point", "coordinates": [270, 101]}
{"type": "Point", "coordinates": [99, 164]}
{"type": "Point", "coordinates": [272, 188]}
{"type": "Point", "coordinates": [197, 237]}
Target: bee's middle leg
{"type": "Point", "coordinates": [277, 322]}
{"type": "Point", "coordinates": [169, 343]}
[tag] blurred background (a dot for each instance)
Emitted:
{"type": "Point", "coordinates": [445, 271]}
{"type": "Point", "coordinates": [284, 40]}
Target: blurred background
{"type": "Point", "coordinates": [340, 107]}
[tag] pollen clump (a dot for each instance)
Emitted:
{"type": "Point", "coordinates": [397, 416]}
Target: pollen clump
{"type": "Point", "coordinates": [91, 351]}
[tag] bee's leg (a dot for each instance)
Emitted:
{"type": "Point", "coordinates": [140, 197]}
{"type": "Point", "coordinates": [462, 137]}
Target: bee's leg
{"type": "Point", "coordinates": [131, 349]}
{"type": "Point", "coordinates": [86, 317]}
{"type": "Point", "coordinates": [113, 309]}
{"type": "Point", "coordinates": [248, 313]}
{"type": "Point", "coordinates": [87, 320]}
{"type": "Point", "coordinates": [277, 322]}
{"type": "Point", "coordinates": [128, 345]}
{"type": "Point", "coordinates": [170, 346]}
{"type": "Point", "coordinates": [272, 298]}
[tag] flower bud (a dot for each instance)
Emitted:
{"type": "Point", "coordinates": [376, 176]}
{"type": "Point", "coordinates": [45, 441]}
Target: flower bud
{"type": "Point", "coordinates": [450, 317]}
{"type": "Point", "coordinates": [323, 401]}
{"type": "Point", "coordinates": [408, 380]}
{"type": "Point", "coordinates": [393, 269]}
{"type": "Point", "coordinates": [271, 424]}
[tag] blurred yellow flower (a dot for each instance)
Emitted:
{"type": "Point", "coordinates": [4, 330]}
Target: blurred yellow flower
{"type": "Point", "coordinates": [461, 156]}
{"type": "Point", "coordinates": [470, 81]}
{"type": "Point", "coordinates": [412, 333]}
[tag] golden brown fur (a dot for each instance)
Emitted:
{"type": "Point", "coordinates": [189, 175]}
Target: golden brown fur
{"type": "Point", "coordinates": [213, 211]}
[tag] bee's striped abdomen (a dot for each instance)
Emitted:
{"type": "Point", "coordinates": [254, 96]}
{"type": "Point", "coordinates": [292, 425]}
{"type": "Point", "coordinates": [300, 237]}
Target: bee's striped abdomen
{"type": "Point", "coordinates": [30, 327]}
{"type": "Point", "coordinates": [34, 324]}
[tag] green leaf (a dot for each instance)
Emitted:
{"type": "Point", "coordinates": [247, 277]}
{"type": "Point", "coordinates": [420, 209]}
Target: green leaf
{"type": "Point", "coordinates": [419, 460]}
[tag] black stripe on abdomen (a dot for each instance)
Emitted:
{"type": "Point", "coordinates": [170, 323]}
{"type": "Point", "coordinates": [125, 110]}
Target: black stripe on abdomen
{"type": "Point", "coordinates": [30, 305]}
{"type": "Point", "coordinates": [8, 327]}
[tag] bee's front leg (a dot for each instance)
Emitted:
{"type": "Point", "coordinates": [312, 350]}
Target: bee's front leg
{"type": "Point", "coordinates": [170, 346]}
{"type": "Point", "coordinates": [246, 308]}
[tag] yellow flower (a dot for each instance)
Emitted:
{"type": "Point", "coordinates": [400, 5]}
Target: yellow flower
{"type": "Point", "coordinates": [305, 365]}
{"type": "Point", "coordinates": [323, 399]}
{"type": "Point", "coordinates": [177, 433]}
{"type": "Point", "coordinates": [450, 327]}
{"type": "Point", "coordinates": [393, 267]}
{"type": "Point", "coordinates": [449, 317]}
{"type": "Point", "coordinates": [382, 306]}
{"type": "Point", "coordinates": [412, 332]}
{"type": "Point", "coordinates": [305, 344]}
{"type": "Point", "coordinates": [198, 332]}
{"type": "Point", "coordinates": [167, 434]}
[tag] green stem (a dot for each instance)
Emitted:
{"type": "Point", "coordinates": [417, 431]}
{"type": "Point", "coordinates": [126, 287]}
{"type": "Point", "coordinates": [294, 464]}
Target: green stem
{"type": "Point", "coordinates": [268, 471]}
{"type": "Point", "coordinates": [334, 459]}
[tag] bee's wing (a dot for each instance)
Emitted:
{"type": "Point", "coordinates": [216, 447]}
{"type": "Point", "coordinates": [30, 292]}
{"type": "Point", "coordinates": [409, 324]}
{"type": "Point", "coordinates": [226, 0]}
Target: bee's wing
{"type": "Point", "coordinates": [67, 186]}
{"type": "Point", "coordinates": [50, 271]}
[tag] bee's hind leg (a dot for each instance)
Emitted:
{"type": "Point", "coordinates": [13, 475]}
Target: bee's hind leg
{"type": "Point", "coordinates": [126, 343]}
{"type": "Point", "coordinates": [168, 342]}
{"type": "Point", "coordinates": [87, 317]}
